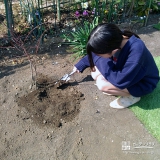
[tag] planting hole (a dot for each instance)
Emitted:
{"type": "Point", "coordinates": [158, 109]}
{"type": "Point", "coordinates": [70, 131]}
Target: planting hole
{"type": "Point", "coordinates": [52, 106]}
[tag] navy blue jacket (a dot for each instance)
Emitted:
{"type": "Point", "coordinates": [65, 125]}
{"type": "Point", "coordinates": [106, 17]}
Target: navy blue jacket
{"type": "Point", "coordinates": [135, 68]}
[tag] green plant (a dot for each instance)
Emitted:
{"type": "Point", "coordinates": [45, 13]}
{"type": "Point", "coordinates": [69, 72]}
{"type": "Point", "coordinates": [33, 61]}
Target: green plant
{"type": "Point", "coordinates": [143, 7]}
{"type": "Point", "coordinates": [77, 39]}
{"type": "Point", "coordinates": [157, 26]}
{"type": "Point", "coordinates": [113, 10]}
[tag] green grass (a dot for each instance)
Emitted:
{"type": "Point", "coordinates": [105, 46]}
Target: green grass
{"type": "Point", "coordinates": [147, 110]}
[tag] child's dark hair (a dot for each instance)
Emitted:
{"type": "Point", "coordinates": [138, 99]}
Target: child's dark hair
{"type": "Point", "coordinates": [105, 38]}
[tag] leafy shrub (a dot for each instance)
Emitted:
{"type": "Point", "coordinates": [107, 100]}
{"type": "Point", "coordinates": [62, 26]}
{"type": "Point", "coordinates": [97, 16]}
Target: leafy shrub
{"type": "Point", "coordinates": [78, 37]}
{"type": "Point", "coordinates": [143, 7]}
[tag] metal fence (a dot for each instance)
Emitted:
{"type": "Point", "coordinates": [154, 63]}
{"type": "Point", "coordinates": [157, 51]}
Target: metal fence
{"type": "Point", "coordinates": [36, 12]}
{"type": "Point", "coordinates": [58, 13]}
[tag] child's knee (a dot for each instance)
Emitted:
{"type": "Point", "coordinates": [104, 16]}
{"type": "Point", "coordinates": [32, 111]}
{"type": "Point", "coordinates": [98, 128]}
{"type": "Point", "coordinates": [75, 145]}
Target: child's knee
{"type": "Point", "coordinates": [101, 83]}
{"type": "Point", "coordinates": [94, 75]}
{"type": "Point", "coordinates": [100, 87]}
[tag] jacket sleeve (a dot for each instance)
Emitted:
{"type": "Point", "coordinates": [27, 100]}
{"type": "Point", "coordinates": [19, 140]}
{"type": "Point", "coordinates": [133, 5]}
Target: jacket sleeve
{"type": "Point", "coordinates": [84, 62]}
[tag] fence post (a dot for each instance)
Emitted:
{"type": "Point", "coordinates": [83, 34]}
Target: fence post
{"type": "Point", "coordinates": [58, 10]}
{"type": "Point", "coordinates": [8, 9]}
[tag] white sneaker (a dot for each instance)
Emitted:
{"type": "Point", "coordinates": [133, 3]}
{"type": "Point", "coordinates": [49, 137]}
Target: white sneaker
{"type": "Point", "coordinates": [124, 102]}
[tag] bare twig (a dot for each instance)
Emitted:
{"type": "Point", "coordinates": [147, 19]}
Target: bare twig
{"type": "Point", "coordinates": [20, 45]}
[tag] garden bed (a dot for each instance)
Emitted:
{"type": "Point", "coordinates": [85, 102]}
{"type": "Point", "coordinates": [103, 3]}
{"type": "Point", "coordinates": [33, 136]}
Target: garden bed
{"type": "Point", "coordinates": [74, 122]}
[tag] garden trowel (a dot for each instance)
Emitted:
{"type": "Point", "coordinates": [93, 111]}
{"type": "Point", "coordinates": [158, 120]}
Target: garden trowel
{"type": "Point", "coordinates": [66, 77]}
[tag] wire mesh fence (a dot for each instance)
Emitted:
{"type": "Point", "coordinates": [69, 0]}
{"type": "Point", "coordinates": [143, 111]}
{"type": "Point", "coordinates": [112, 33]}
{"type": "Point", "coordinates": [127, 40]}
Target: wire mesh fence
{"type": "Point", "coordinates": [55, 15]}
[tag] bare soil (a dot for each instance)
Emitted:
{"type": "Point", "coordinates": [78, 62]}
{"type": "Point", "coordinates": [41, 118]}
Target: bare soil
{"type": "Point", "coordinates": [51, 105]}
{"type": "Point", "coordinates": [71, 121]}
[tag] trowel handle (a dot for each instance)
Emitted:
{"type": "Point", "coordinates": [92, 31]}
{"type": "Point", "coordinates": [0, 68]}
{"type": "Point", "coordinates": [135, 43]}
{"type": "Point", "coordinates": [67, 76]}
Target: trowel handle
{"type": "Point", "coordinates": [71, 73]}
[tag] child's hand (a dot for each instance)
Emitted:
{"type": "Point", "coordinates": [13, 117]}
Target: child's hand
{"type": "Point", "coordinates": [75, 70]}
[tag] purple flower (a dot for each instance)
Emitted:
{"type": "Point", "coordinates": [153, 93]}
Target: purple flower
{"type": "Point", "coordinates": [158, 3]}
{"type": "Point", "coordinates": [77, 14]}
{"type": "Point", "coordinates": [85, 13]}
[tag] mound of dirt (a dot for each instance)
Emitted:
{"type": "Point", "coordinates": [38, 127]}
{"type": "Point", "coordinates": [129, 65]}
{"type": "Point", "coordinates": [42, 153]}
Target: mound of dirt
{"type": "Point", "coordinates": [52, 104]}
